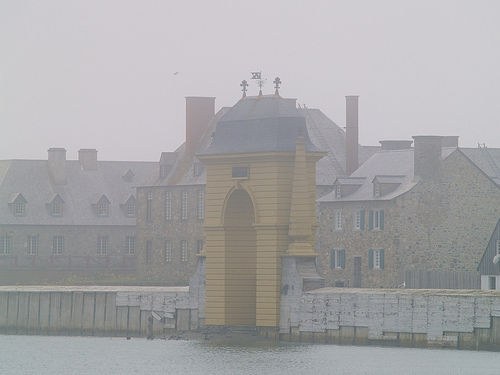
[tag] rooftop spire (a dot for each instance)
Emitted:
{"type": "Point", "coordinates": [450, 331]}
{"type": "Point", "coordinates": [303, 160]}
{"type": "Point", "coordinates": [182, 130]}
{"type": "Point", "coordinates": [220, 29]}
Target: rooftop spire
{"type": "Point", "coordinates": [244, 85]}
{"type": "Point", "coordinates": [277, 83]}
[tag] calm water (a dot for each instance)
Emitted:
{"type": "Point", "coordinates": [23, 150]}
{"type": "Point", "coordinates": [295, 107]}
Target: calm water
{"type": "Point", "coordinates": [89, 355]}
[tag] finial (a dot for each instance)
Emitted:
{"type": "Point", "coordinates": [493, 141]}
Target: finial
{"type": "Point", "coordinates": [277, 83]}
{"type": "Point", "coordinates": [244, 86]}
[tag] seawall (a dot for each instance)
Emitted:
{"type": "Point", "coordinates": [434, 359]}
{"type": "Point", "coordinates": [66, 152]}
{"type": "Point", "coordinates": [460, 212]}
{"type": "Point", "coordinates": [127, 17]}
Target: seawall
{"type": "Point", "coordinates": [96, 311]}
{"type": "Point", "coordinates": [463, 319]}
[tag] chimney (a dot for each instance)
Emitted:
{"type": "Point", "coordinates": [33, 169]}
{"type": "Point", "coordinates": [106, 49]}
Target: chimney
{"type": "Point", "coordinates": [395, 145]}
{"type": "Point", "coordinates": [450, 141]}
{"type": "Point", "coordinates": [87, 158]}
{"type": "Point", "coordinates": [57, 165]}
{"type": "Point", "coordinates": [427, 155]}
{"type": "Point", "coordinates": [351, 134]}
{"type": "Point", "coordinates": [199, 112]}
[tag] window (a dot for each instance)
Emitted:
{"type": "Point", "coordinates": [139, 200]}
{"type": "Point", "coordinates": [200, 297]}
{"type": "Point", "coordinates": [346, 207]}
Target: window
{"type": "Point", "coordinates": [56, 209]}
{"type": "Point", "coordinates": [498, 247]}
{"type": "Point", "coordinates": [184, 205]}
{"type": "Point", "coordinates": [168, 205]}
{"type": "Point", "coordinates": [376, 259]}
{"type": "Point", "coordinates": [337, 259]}
{"type": "Point", "coordinates": [32, 245]}
{"type": "Point", "coordinates": [240, 172]}
{"type": "Point", "coordinates": [338, 192]}
{"type": "Point", "coordinates": [376, 190]}
{"type": "Point", "coordinates": [149, 206]}
{"type": "Point", "coordinates": [103, 209]}
{"type": "Point", "coordinates": [184, 251]}
{"type": "Point", "coordinates": [168, 251]}
{"type": "Point", "coordinates": [337, 220]}
{"type": "Point", "coordinates": [201, 204]}
{"type": "Point", "coordinates": [130, 245]}
{"type": "Point", "coordinates": [376, 220]}
{"type": "Point", "coordinates": [149, 251]}
{"type": "Point", "coordinates": [19, 208]}
{"type": "Point", "coordinates": [130, 209]}
{"type": "Point", "coordinates": [359, 220]}
{"type": "Point", "coordinates": [102, 245]}
{"type": "Point", "coordinates": [199, 246]}
{"type": "Point", "coordinates": [57, 245]}
{"type": "Point", "coordinates": [5, 245]}
{"type": "Point", "coordinates": [492, 282]}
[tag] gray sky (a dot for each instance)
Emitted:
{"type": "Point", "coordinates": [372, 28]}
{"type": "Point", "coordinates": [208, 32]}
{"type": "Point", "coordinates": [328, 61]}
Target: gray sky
{"type": "Point", "coordinates": [100, 74]}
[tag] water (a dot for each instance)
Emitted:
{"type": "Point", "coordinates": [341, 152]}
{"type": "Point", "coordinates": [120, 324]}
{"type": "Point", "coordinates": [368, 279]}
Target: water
{"type": "Point", "coordinates": [90, 355]}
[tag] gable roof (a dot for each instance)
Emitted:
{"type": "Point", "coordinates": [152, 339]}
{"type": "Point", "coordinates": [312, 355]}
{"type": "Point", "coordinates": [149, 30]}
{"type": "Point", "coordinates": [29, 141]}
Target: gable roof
{"type": "Point", "coordinates": [32, 180]}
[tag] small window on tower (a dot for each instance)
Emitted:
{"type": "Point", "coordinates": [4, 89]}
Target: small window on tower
{"type": "Point", "coordinates": [240, 172]}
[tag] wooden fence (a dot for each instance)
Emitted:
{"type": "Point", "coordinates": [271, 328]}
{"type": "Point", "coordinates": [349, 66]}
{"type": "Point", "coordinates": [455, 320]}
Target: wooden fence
{"type": "Point", "coordinates": [421, 279]}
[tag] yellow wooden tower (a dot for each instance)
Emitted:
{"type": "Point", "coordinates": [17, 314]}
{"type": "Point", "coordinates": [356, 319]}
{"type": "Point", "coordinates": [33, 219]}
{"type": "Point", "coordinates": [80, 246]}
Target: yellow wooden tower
{"type": "Point", "coordinates": [260, 206]}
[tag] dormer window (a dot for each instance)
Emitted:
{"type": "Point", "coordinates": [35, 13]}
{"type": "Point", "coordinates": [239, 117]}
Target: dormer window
{"type": "Point", "coordinates": [128, 176]}
{"type": "Point", "coordinates": [376, 190]}
{"type": "Point", "coordinates": [17, 204]}
{"type": "Point", "coordinates": [101, 204]}
{"type": "Point", "coordinates": [55, 205]}
{"type": "Point", "coordinates": [56, 209]}
{"type": "Point", "coordinates": [163, 171]}
{"type": "Point", "coordinates": [103, 209]}
{"type": "Point", "coordinates": [19, 209]}
{"type": "Point", "coordinates": [338, 191]}
{"type": "Point", "coordinates": [131, 209]}
{"type": "Point", "coordinates": [197, 169]}
{"type": "Point", "coordinates": [127, 205]}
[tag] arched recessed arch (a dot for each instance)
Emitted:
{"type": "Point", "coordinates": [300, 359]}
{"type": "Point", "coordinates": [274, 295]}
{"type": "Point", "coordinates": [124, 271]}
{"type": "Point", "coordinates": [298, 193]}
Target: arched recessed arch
{"type": "Point", "coordinates": [230, 192]}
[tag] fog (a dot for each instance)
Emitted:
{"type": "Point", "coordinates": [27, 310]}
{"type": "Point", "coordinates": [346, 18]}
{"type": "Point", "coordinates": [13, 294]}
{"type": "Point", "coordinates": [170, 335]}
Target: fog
{"type": "Point", "coordinates": [101, 74]}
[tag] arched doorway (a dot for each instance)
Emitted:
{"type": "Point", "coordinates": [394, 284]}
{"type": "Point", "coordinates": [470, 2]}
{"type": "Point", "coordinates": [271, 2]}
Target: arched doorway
{"type": "Point", "coordinates": [240, 259]}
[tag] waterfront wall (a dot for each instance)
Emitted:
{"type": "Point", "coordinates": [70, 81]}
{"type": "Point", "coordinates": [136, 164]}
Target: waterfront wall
{"type": "Point", "coordinates": [464, 319]}
{"type": "Point", "coordinates": [97, 311]}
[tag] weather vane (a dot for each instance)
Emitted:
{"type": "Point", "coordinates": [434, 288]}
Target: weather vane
{"type": "Point", "coordinates": [277, 83]}
{"type": "Point", "coordinates": [260, 81]}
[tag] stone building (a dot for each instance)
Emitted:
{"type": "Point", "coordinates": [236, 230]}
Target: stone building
{"type": "Point", "coordinates": [171, 203]}
{"type": "Point", "coordinates": [68, 219]}
{"type": "Point", "coordinates": [419, 216]}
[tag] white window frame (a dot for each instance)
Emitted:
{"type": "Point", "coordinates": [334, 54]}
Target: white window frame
{"type": "Point", "coordinates": [337, 219]}
{"type": "Point", "coordinates": [168, 251]}
{"type": "Point", "coordinates": [57, 245]}
{"type": "Point", "coordinates": [376, 219]}
{"type": "Point", "coordinates": [338, 191]}
{"type": "Point", "coordinates": [357, 220]}
{"type": "Point", "coordinates": [337, 253]}
{"type": "Point", "coordinates": [32, 247]}
{"type": "Point", "coordinates": [130, 245]}
{"type": "Point", "coordinates": [184, 251]}
{"type": "Point", "coordinates": [377, 259]}
{"type": "Point", "coordinates": [376, 189]}
{"type": "Point", "coordinates": [168, 205]}
{"type": "Point", "coordinates": [201, 204]}
{"type": "Point", "coordinates": [103, 209]}
{"type": "Point", "coordinates": [19, 209]}
{"type": "Point", "coordinates": [130, 209]}
{"type": "Point", "coordinates": [56, 209]}
{"type": "Point", "coordinates": [498, 247]}
{"type": "Point", "coordinates": [102, 245]}
{"type": "Point", "coordinates": [5, 245]}
{"type": "Point", "coordinates": [184, 205]}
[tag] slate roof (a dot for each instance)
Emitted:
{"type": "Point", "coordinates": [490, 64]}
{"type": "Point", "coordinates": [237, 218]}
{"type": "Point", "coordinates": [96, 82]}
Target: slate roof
{"type": "Point", "coordinates": [260, 124]}
{"type": "Point", "coordinates": [31, 179]}
{"type": "Point", "coordinates": [322, 132]}
{"type": "Point", "coordinates": [396, 166]}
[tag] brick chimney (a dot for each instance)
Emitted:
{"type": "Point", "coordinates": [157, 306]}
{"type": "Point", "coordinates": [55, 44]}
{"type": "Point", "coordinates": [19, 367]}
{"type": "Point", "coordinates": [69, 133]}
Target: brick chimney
{"type": "Point", "coordinates": [427, 155]}
{"type": "Point", "coordinates": [199, 112]}
{"type": "Point", "coordinates": [351, 134]}
{"type": "Point", "coordinates": [57, 165]}
{"type": "Point", "coordinates": [87, 157]}
{"type": "Point", "coordinates": [395, 144]}
{"type": "Point", "coordinates": [450, 141]}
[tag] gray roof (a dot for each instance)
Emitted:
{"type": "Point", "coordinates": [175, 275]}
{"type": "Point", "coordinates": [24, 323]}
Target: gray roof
{"type": "Point", "coordinates": [31, 179]}
{"type": "Point", "coordinates": [322, 132]}
{"type": "Point", "coordinates": [396, 167]}
{"type": "Point", "coordinates": [260, 124]}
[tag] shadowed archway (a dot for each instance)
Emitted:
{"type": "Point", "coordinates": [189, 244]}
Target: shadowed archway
{"type": "Point", "coordinates": [240, 259]}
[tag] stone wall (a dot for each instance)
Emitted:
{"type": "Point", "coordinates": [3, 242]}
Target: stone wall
{"type": "Point", "coordinates": [442, 225]}
{"type": "Point", "coordinates": [159, 230]}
